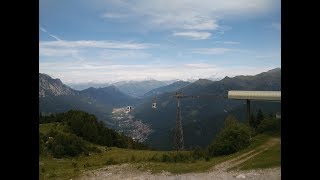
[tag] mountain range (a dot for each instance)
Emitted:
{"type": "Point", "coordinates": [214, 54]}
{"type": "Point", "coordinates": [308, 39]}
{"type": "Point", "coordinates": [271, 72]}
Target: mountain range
{"type": "Point", "coordinates": [55, 97]}
{"type": "Point", "coordinates": [168, 88]}
{"type": "Point", "coordinates": [202, 117]}
{"type": "Point", "coordinates": [138, 88]}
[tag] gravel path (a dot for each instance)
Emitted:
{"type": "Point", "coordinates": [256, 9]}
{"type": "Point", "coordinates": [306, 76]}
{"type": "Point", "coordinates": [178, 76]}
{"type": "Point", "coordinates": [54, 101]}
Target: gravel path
{"type": "Point", "coordinates": [126, 172]}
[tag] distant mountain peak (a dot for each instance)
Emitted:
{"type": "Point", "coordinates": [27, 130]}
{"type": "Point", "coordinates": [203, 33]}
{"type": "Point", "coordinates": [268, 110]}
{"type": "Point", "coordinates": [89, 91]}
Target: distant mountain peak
{"type": "Point", "coordinates": [49, 86]}
{"type": "Point", "coordinates": [203, 82]}
{"type": "Point", "coordinates": [168, 88]}
{"type": "Point", "coordinates": [274, 70]}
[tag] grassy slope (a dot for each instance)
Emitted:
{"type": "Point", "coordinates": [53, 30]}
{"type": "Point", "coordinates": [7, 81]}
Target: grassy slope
{"type": "Point", "coordinates": [201, 165]}
{"type": "Point", "coordinates": [266, 159]}
{"type": "Point", "coordinates": [67, 168]}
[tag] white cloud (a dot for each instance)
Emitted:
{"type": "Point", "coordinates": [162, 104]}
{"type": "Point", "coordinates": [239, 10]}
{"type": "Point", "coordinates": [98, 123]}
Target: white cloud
{"type": "Point", "coordinates": [70, 72]}
{"type": "Point", "coordinates": [57, 52]}
{"type": "Point", "coordinates": [204, 25]}
{"type": "Point", "coordinates": [120, 54]}
{"type": "Point", "coordinates": [190, 14]}
{"type": "Point", "coordinates": [195, 35]}
{"type": "Point", "coordinates": [94, 44]}
{"type": "Point", "coordinates": [213, 51]}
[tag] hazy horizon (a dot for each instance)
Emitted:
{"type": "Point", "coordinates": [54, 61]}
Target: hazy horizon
{"type": "Point", "coordinates": [213, 78]}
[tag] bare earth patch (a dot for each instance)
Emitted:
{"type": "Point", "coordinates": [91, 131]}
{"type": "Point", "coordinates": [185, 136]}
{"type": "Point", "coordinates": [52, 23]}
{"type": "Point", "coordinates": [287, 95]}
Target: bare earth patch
{"type": "Point", "coordinates": [126, 172]}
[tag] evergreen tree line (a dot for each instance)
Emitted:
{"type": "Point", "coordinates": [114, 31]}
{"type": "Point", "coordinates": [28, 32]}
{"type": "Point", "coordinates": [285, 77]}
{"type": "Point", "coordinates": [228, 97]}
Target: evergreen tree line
{"type": "Point", "coordinates": [81, 125]}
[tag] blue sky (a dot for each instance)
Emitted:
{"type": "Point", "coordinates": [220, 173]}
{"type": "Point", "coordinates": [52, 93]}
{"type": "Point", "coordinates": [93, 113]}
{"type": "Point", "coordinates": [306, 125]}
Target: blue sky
{"type": "Point", "coordinates": [114, 40]}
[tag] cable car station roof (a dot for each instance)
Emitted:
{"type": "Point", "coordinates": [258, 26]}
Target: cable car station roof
{"type": "Point", "coordinates": [255, 95]}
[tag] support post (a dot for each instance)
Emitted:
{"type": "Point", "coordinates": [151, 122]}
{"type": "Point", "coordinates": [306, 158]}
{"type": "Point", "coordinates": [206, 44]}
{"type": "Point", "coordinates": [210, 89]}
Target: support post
{"type": "Point", "coordinates": [178, 136]}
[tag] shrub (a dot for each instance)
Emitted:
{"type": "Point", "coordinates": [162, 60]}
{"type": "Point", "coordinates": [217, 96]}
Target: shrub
{"type": "Point", "coordinates": [62, 145]}
{"type": "Point", "coordinates": [232, 138]}
{"type": "Point", "coordinates": [198, 153]}
{"type": "Point", "coordinates": [270, 125]}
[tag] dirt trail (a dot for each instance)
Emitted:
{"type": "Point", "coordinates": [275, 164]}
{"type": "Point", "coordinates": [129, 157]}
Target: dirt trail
{"type": "Point", "coordinates": [219, 171]}
{"type": "Point", "coordinates": [224, 166]}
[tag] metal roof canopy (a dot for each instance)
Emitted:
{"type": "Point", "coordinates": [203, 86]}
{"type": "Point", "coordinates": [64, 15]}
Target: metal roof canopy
{"type": "Point", "coordinates": [255, 95]}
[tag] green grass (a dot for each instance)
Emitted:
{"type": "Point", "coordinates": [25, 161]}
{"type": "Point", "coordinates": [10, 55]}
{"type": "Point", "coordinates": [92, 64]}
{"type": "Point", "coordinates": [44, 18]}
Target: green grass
{"type": "Point", "coordinates": [178, 168]}
{"type": "Point", "coordinates": [267, 159]}
{"type": "Point", "coordinates": [67, 168]}
{"type": "Point", "coordinates": [45, 128]}
{"type": "Point", "coordinates": [200, 165]}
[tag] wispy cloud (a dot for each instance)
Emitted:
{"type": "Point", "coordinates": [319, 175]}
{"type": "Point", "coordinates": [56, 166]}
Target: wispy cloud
{"type": "Point", "coordinates": [43, 29]}
{"type": "Point", "coordinates": [212, 51]}
{"type": "Point", "coordinates": [186, 18]}
{"type": "Point", "coordinates": [189, 14]}
{"type": "Point", "coordinates": [51, 35]}
{"type": "Point", "coordinates": [57, 52]}
{"type": "Point", "coordinates": [194, 35]}
{"type": "Point", "coordinates": [94, 44]}
{"type": "Point", "coordinates": [70, 72]}
{"type": "Point", "coordinates": [202, 25]}
{"type": "Point", "coordinates": [55, 37]}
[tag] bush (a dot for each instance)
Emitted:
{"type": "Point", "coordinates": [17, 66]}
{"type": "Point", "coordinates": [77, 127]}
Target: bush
{"type": "Point", "coordinates": [270, 125]}
{"type": "Point", "coordinates": [232, 138]}
{"type": "Point", "coordinates": [61, 145]}
{"type": "Point", "coordinates": [198, 153]}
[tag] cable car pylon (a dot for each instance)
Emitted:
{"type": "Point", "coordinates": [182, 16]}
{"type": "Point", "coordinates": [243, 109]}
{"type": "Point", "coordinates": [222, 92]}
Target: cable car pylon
{"type": "Point", "coordinates": [178, 134]}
